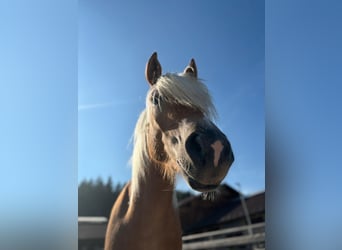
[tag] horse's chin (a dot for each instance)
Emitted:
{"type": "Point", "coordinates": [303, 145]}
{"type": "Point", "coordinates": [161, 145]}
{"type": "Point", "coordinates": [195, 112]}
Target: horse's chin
{"type": "Point", "coordinates": [199, 186]}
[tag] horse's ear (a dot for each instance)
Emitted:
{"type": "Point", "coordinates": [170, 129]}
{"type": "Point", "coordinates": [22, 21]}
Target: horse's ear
{"type": "Point", "coordinates": [153, 69]}
{"type": "Point", "coordinates": [191, 69]}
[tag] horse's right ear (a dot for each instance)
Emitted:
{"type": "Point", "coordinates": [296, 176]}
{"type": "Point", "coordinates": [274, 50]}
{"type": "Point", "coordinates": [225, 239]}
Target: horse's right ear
{"type": "Point", "coordinates": [191, 69]}
{"type": "Point", "coordinates": [153, 69]}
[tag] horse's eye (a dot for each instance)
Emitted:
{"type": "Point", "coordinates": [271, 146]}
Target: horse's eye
{"type": "Point", "coordinates": [155, 98]}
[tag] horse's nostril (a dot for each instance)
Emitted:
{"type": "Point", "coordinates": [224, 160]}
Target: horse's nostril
{"type": "Point", "coordinates": [195, 149]}
{"type": "Point", "coordinates": [194, 143]}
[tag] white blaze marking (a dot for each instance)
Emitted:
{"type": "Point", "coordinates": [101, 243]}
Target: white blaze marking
{"type": "Point", "coordinates": [217, 146]}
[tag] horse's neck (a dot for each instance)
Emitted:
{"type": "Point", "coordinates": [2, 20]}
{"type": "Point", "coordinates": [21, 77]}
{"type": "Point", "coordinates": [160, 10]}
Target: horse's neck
{"type": "Point", "coordinates": [149, 220]}
{"type": "Point", "coordinates": [154, 191]}
{"type": "Point", "coordinates": [153, 213]}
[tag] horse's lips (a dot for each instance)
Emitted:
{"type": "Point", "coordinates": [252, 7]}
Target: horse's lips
{"type": "Point", "coordinates": [201, 187]}
{"type": "Point", "coordinates": [197, 185]}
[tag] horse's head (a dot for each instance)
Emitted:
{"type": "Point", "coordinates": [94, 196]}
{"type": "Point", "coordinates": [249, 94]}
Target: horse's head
{"type": "Point", "coordinates": [181, 135]}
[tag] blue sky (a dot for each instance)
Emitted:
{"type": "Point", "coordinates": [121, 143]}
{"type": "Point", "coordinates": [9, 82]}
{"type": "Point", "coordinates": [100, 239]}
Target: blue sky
{"type": "Point", "coordinates": [115, 41]}
{"type": "Point", "coordinates": [38, 124]}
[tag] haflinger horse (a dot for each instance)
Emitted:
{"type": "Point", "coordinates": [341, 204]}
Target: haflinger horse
{"type": "Point", "coordinates": [174, 134]}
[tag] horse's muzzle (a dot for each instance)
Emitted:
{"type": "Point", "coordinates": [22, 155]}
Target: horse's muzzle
{"type": "Point", "coordinates": [211, 157]}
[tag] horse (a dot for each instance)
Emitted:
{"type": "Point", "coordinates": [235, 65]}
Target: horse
{"type": "Point", "coordinates": [175, 134]}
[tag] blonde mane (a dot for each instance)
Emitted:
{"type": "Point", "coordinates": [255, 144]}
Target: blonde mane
{"type": "Point", "coordinates": [188, 91]}
{"type": "Point", "coordinates": [175, 88]}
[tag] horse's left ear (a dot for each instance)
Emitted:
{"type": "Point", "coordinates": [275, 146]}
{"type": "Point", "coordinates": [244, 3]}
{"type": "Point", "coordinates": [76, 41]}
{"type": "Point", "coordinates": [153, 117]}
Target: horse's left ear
{"type": "Point", "coordinates": [191, 69]}
{"type": "Point", "coordinates": [153, 69]}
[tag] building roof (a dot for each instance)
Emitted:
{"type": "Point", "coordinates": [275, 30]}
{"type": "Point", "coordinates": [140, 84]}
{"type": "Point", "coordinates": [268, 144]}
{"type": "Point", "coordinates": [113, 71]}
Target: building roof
{"type": "Point", "coordinates": [197, 213]}
{"type": "Point", "coordinates": [91, 219]}
{"type": "Point", "coordinates": [90, 228]}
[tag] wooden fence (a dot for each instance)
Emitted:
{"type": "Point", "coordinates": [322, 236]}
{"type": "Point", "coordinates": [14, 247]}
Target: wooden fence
{"type": "Point", "coordinates": [250, 235]}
